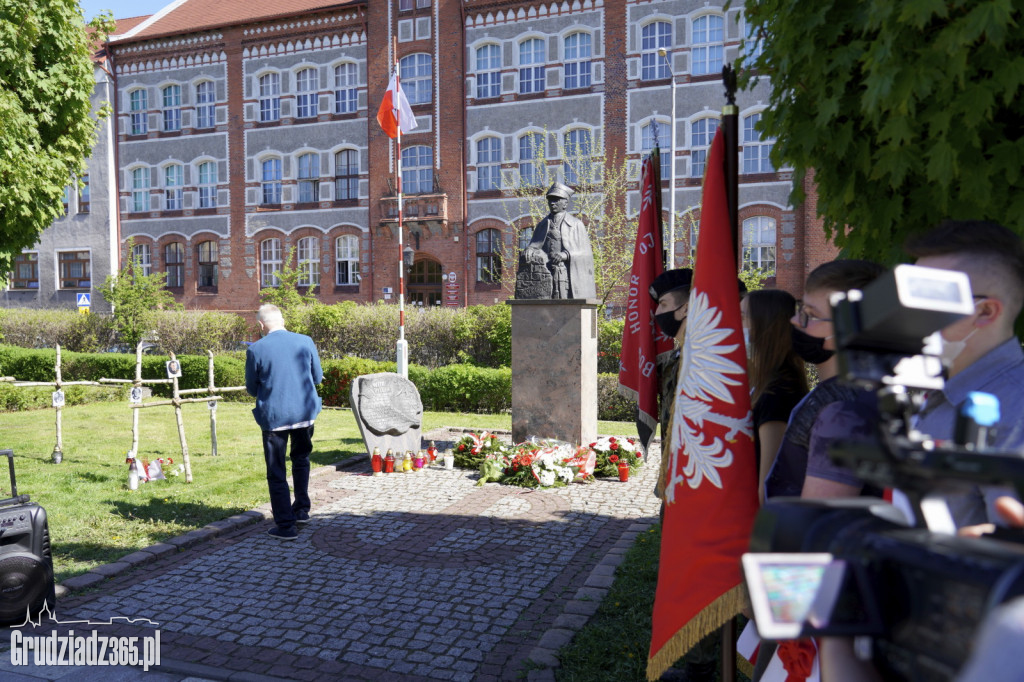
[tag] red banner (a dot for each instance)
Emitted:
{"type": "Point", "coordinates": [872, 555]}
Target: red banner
{"type": "Point", "coordinates": [642, 341]}
{"type": "Point", "coordinates": [711, 485]}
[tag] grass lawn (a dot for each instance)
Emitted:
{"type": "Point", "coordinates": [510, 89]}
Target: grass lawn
{"type": "Point", "coordinates": [94, 518]}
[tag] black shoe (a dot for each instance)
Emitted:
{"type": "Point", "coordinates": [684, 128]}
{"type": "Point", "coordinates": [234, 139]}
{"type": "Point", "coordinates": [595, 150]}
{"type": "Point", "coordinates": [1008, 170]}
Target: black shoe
{"type": "Point", "coordinates": [280, 534]}
{"type": "Point", "coordinates": [302, 518]}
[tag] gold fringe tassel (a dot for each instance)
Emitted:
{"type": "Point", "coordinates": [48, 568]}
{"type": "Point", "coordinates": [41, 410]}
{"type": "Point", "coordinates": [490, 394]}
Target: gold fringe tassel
{"type": "Point", "coordinates": [744, 666]}
{"type": "Point", "coordinates": [711, 617]}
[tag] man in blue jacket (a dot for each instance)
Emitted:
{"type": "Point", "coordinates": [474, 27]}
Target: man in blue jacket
{"type": "Point", "coordinates": [282, 370]}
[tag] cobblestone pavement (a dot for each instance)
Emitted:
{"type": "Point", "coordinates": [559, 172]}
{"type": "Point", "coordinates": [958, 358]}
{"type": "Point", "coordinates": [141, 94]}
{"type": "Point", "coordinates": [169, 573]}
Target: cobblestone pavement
{"type": "Point", "coordinates": [396, 577]}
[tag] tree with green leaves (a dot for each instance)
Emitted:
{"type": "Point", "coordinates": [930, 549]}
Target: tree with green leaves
{"type": "Point", "coordinates": [47, 130]}
{"type": "Point", "coordinates": [136, 297]}
{"type": "Point", "coordinates": [906, 112]}
{"type": "Point", "coordinates": [287, 292]}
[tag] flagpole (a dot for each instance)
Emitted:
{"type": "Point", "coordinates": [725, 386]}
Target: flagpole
{"type": "Point", "coordinates": [402, 348]}
{"type": "Point", "coordinates": [730, 123]}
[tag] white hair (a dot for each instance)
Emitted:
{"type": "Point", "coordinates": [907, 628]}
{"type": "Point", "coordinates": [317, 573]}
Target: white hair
{"type": "Point", "coordinates": [270, 315]}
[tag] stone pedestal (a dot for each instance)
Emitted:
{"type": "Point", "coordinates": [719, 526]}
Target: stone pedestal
{"type": "Point", "coordinates": [554, 369]}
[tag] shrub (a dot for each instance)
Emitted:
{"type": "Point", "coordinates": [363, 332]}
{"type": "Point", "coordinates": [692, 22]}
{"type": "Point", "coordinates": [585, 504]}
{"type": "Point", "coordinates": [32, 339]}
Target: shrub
{"type": "Point", "coordinates": [193, 332]}
{"type": "Point", "coordinates": [39, 328]}
{"type": "Point", "coordinates": [612, 405]}
{"type": "Point", "coordinates": [609, 345]}
{"type": "Point", "coordinates": [465, 388]}
{"type": "Point", "coordinates": [335, 390]}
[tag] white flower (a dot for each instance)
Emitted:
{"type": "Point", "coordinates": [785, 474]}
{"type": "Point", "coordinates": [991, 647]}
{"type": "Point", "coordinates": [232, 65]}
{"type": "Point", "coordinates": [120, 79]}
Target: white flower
{"type": "Point", "coordinates": [547, 477]}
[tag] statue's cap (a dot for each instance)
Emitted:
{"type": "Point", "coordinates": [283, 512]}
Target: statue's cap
{"type": "Point", "coordinates": [560, 190]}
{"type": "Point", "coordinates": [670, 280]}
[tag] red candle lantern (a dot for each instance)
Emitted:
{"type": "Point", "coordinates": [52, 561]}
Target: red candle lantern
{"type": "Point", "coordinates": [376, 462]}
{"type": "Point", "coordinates": [389, 463]}
{"type": "Point", "coordinates": [432, 453]}
{"type": "Point", "coordinates": [623, 472]}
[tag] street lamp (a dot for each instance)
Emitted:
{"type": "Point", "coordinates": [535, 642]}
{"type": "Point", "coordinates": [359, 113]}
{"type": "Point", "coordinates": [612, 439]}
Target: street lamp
{"type": "Point", "coordinates": [672, 172]}
{"type": "Point", "coordinates": [408, 258]}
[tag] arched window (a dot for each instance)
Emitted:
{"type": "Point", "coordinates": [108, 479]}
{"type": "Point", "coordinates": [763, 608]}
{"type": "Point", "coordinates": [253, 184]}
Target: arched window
{"type": "Point", "coordinates": [208, 185]}
{"type": "Point", "coordinates": [759, 243]}
{"type": "Point", "coordinates": [655, 134]}
{"type": "Point", "coordinates": [531, 66]}
{"type": "Point", "coordinates": [488, 256]}
{"type": "Point", "coordinates": [270, 97]}
{"type": "Point", "coordinates": [205, 107]}
{"type": "Point", "coordinates": [270, 262]}
{"type": "Point", "coordinates": [417, 79]}
{"type": "Point", "coordinates": [346, 260]}
{"type": "Point", "coordinates": [206, 256]}
{"type": "Point", "coordinates": [488, 71]}
{"type": "Point", "coordinates": [270, 182]}
{"type": "Point", "coordinates": [346, 88]}
{"type": "Point", "coordinates": [708, 45]}
{"type": "Point", "coordinates": [532, 168]}
{"type": "Point", "coordinates": [577, 60]}
{"type": "Point", "coordinates": [417, 170]}
{"type": "Point", "coordinates": [702, 132]}
{"type": "Point", "coordinates": [172, 108]}
{"type": "Point", "coordinates": [578, 165]}
{"type": "Point", "coordinates": [138, 104]}
{"type": "Point", "coordinates": [756, 151]}
{"type": "Point", "coordinates": [488, 164]}
{"type": "Point", "coordinates": [655, 35]}
{"type": "Point", "coordinates": [174, 180]}
{"type": "Point", "coordinates": [309, 178]}
{"type": "Point", "coordinates": [174, 265]}
{"type": "Point", "coordinates": [306, 85]}
{"type": "Point", "coordinates": [309, 262]}
{"type": "Point", "coordinates": [346, 175]}
{"type": "Point", "coordinates": [140, 190]}
{"type": "Point", "coordinates": [143, 258]}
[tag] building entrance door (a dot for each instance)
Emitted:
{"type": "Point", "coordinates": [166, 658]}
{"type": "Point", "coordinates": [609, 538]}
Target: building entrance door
{"type": "Point", "coordinates": [425, 283]}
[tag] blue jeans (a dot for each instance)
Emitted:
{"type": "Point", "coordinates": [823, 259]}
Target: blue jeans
{"type": "Point", "coordinates": [274, 446]}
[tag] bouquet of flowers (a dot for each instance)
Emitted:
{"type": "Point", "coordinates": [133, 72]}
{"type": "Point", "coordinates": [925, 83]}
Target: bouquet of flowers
{"type": "Point", "coordinates": [612, 451]}
{"type": "Point", "coordinates": [471, 451]}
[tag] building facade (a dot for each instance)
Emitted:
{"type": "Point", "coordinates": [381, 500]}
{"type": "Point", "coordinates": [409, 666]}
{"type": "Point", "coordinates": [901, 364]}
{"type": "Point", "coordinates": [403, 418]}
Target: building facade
{"type": "Point", "coordinates": [245, 139]}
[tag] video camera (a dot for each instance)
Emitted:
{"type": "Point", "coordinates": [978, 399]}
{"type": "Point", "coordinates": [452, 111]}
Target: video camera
{"type": "Point", "coordinates": [911, 597]}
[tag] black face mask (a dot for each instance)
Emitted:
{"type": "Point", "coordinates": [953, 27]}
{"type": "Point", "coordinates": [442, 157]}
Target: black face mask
{"type": "Point", "coordinates": [668, 323]}
{"type": "Point", "coordinates": [810, 348]}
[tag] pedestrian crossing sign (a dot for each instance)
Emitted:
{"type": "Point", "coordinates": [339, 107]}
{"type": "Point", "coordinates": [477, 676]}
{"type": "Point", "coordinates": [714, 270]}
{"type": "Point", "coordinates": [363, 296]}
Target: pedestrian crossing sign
{"type": "Point", "coordinates": [83, 300]}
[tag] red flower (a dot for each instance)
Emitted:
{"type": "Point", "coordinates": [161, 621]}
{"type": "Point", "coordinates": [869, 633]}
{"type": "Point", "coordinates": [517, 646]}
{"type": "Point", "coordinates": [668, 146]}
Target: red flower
{"type": "Point", "coordinates": [493, 437]}
{"type": "Point", "coordinates": [638, 455]}
{"type": "Point", "coordinates": [462, 447]}
{"type": "Point", "coordinates": [615, 446]}
{"type": "Point", "coordinates": [613, 458]}
{"type": "Point", "coordinates": [593, 445]}
{"type": "Point", "coordinates": [611, 439]}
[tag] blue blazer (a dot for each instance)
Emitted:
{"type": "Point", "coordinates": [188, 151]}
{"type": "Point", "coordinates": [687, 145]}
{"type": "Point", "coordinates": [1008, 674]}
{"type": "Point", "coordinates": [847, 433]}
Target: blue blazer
{"type": "Point", "coordinates": [282, 370]}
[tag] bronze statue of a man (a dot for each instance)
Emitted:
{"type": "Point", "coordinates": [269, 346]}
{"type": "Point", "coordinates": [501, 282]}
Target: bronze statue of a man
{"type": "Point", "coordinates": [559, 261]}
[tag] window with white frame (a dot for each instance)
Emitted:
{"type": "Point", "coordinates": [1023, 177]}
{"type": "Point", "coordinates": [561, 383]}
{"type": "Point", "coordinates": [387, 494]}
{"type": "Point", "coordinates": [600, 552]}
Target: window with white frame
{"type": "Point", "coordinates": [346, 260]}
{"type": "Point", "coordinates": [417, 170]}
{"type": "Point", "coordinates": [142, 258]}
{"type": "Point", "coordinates": [306, 85]}
{"type": "Point", "coordinates": [525, 237]}
{"type": "Point", "coordinates": [270, 97]}
{"type": "Point", "coordinates": [270, 182]}
{"type": "Point", "coordinates": [708, 45]}
{"type": "Point", "coordinates": [531, 66]}
{"type": "Point", "coordinates": [756, 151]}
{"type": "Point", "coordinates": [577, 54]}
{"type": "Point", "coordinates": [270, 262]}
{"type": "Point", "coordinates": [532, 168]}
{"type": "Point", "coordinates": [657, 135]}
{"type": "Point", "coordinates": [417, 79]}
{"type": "Point", "coordinates": [759, 243]}
{"type": "Point", "coordinates": [488, 71]}
{"type": "Point", "coordinates": [74, 269]}
{"type": "Point", "coordinates": [205, 107]}
{"type": "Point", "coordinates": [702, 132]}
{"type": "Point", "coordinates": [653, 36]}
{"type": "Point", "coordinates": [578, 165]}
{"type": "Point", "coordinates": [172, 108]}
{"type": "Point", "coordinates": [26, 271]}
{"type": "Point", "coordinates": [346, 175]}
{"type": "Point", "coordinates": [138, 106]}
{"type": "Point", "coordinates": [140, 190]}
{"type": "Point", "coordinates": [309, 178]}
{"type": "Point", "coordinates": [488, 164]}
{"type": "Point", "coordinates": [206, 257]}
{"type": "Point", "coordinates": [346, 88]}
{"type": "Point", "coordinates": [309, 262]}
{"type": "Point", "coordinates": [174, 265]}
{"type": "Point", "coordinates": [488, 256]}
{"type": "Point", "coordinates": [174, 181]}
{"type": "Point", "coordinates": [83, 194]}
{"type": "Point", "coordinates": [208, 184]}
{"type": "Point", "coordinates": [753, 43]}
{"type": "Point", "coordinates": [66, 198]}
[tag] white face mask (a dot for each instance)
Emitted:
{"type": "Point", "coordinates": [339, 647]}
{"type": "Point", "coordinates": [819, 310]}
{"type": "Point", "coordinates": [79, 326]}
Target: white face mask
{"type": "Point", "coordinates": [951, 350]}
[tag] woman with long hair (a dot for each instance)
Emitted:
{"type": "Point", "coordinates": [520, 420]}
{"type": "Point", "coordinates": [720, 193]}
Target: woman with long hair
{"type": "Point", "coordinates": [778, 380]}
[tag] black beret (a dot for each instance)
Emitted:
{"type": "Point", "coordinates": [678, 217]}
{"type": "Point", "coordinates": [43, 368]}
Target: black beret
{"type": "Point", "coordinates": [670, 280]}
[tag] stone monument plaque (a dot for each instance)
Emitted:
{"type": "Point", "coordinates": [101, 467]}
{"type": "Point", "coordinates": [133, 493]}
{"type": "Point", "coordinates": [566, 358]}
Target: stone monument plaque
{"type": "Point", "coordinates": [389, 412]}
